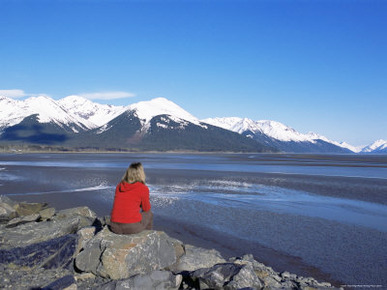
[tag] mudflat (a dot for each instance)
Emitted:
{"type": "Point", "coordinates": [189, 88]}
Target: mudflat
{"type": "Point", "coordinates": [320, 216]}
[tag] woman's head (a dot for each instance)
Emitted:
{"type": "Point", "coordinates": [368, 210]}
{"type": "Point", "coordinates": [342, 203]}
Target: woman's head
{"type": "Point", "coordinates": [134, 173]}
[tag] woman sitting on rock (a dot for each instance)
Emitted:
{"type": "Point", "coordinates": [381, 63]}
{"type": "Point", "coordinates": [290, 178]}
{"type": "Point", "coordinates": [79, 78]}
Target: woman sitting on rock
{"type": "Point", "coordinates": [131, 196]}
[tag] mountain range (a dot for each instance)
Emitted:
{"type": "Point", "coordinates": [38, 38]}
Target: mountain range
{"type": "Point", "coordinates": [156, 125]}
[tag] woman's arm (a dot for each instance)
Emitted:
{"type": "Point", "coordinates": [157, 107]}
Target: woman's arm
{"type": "Point", "coordinates": [145, 202]}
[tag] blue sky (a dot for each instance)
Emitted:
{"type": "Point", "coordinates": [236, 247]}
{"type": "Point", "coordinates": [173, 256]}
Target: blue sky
{"type": "Point", "coordinates": [313, 65]}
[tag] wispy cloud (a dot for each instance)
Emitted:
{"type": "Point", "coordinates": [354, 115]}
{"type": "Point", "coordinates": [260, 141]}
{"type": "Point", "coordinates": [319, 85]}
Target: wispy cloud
{"type": "Point", "coordinates": [107, 95]}
{"type": "Point", "coordinates": [13, 93]}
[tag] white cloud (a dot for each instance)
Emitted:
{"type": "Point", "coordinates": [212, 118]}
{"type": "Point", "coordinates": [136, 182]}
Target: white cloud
{"type": "Point", "coordinates": [13, 93]}
{"type": "Point", "coordinates": [107, 95]}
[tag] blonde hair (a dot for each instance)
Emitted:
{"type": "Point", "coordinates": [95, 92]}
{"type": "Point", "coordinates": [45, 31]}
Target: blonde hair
{"type": "Point", "coordinates": [134, 173]}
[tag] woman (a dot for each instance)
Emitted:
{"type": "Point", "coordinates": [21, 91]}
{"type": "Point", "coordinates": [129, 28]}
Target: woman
{"type": "Point", "coordinates": [131, 196]}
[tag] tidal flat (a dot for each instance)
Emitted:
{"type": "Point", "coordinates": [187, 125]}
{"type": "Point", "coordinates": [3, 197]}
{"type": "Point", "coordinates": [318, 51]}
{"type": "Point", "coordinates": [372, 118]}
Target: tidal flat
{"type": "Point", "coordinates": [315, 215]}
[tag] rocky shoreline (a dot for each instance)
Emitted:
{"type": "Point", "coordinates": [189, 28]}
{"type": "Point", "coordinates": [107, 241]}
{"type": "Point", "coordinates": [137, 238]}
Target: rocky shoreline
{"type": "Point", "coordinates": [42, 248]}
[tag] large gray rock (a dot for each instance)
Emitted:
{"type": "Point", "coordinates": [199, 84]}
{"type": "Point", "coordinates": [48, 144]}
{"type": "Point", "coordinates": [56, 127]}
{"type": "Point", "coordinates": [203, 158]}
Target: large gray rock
{"type": "Point", "coordinates": [7, 212]}
{"type": "Point", "coordinates": [23, 220]}
{"type": "Point", "coordinates": [51, 254]}
{"type": "Point", "coordinates": [226, 276]}
{"type": "Point", "coordinates": [24, 208]}
{"type": "Point", "coordinates": [122, 256]}
{"type": "Point", "coordinates": [7, 200]}
{"type": "Point", "coordinates": [197, 258]}
{"type": "Point", "coordinates": [47, 213]}
{"type": "Point", "coordinates": [274, 280]}
{"type": "Point", "coordinates": [35, 232]}
{"type": "Point", "coordinates": [155, 280]}
{"type": "Point", "coordinates": [86, 216]}
{"type": "Point", "coordinates": [76, 211]}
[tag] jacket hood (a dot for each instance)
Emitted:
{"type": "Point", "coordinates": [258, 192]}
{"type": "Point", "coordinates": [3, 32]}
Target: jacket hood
{"type": "Point", "coordinates": [124, 186]}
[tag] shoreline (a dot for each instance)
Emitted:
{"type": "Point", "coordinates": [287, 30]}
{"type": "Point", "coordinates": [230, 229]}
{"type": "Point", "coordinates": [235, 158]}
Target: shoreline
{"type": "Point", "coordinates": [199, 236]}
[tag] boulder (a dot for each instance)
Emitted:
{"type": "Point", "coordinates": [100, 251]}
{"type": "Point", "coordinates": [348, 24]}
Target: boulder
{"type": "Point", "coordinates": [85, 215]}
{"type": "Point", "coordinates": [154, 280]}
{"type": "Point", "coordinates": [84, 235]}
{"type": "Point", "coordinates": [35, 232]}
{"type": "Point", "coordinates": [7, 200]}
{"type": "Point", "coordinates": [7, 212]}
{"type": "Point", "coordinates": [76, 211]}
{"type": "Point", "coordinates": [47, 213]}
{"type": "Point", "coordinates": [64, 283]}
{"type": "Point", "coordinates": [197, 258]}
{"type": "Point", "coordinates": [52, 254]}
{"type": "Point", "coordinates": [121, 256]}
{"type": "Point", "coordinates": [24, 208]}
{"type": "Point", "coordinates": [274, 280]}
{"type": "Point", "coordinates": [23, 220]}
{"type": "Point", "coordinates": [13, 277]}
{"type": "Point", "coordinates": [226, 276]}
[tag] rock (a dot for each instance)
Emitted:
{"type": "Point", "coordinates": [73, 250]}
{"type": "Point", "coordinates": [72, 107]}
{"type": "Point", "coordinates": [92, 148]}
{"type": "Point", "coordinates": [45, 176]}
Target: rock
{"type": "Point", "coordinates": [121, 256]}
{"type": "Point", "coordinates": [22, 220]}
{"type": "Point", "coordinates": [274, 280]}
{"type": "Point", "coordinates": [35, 232]}
{"type": "Point", "coordinates": [86, 216]}
{"type": "Point", "coordinates": [66, 282]}
{"type": "Point", "coordinates": [37, 251]}
{"type": "Point", "coordinates": [25, 208]}
{"type": "Point", "coordinates": [77, 211]}
{"type": "Point", "coordinates": [226, 276]}
{"type": "Point", "coordinates": [154, 280]}
{"type": "Point", "coordinates": [85, 235]}
{"type": "Point", "coordinates": [26, 278]}
{"type": "Point", "coordinates": [7, 200]}
{"type": "Point", "coordinates": [51, 254]}
{"type": "Point", "coordinates": [7, 212]}
{"type": "Point", "coordinates": [196, 258]}
{"type": "Point", "coordinates": [47, 213]}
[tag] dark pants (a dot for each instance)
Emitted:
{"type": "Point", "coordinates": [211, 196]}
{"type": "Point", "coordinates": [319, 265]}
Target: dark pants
{"type": "Point", "coordinates": [145, 224]}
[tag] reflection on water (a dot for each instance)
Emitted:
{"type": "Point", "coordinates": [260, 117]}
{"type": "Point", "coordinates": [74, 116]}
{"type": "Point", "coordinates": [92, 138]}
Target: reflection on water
{"type": "Point", "coordinates": [275, 199]}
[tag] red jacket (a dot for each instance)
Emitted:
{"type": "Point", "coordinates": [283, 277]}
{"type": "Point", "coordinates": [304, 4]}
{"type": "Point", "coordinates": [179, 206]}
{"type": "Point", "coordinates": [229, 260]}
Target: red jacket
{"type": "Point", "coordinates": [128, 201]}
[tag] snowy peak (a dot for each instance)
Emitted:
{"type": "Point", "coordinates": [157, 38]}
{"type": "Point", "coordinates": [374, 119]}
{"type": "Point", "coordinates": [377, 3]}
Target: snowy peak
{"type": "Point", "coordinates": [95, 114]}
{"type": "Point", "coordinates": [147, 110]}
{"type": "Point", "coordinates": [272, 129]}
{"type": "Point", "coordinates": [278, 135]}
{"type": "Point", "coordinates": [377, 146]}
{"type": "Point", "coordinates": [12, 112]}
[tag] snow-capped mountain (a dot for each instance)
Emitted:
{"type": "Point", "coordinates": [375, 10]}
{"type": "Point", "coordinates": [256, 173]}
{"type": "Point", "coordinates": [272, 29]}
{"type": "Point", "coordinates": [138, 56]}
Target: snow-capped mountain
{"type": "Point", "coordinates": [13, 112]}
{"type": "Point", "coordinates": [272, 129]}
{"type": "Point", "coordinates": [379, 146]}
{"type": "Point", "coordinates": [278, 135]}
{"type": "Point", "coordinates": [96, 114]}
{"type": "Point", "coordinates": [158, 124]}
{"type": "Point", "coordinates": [147, 110]}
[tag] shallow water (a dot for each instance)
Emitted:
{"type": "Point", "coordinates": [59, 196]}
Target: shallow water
{"type": "Point", "coordinates": [328, 210]}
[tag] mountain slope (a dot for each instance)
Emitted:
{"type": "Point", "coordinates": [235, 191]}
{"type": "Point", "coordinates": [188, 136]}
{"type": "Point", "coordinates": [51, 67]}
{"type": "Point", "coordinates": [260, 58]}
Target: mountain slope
{"type": "Point", "coordinates": [95, 114]}
{"type": "Point", "coordinates": [160, 125]}
{"type": "Point", "coordinates": [31, 131]}
{"type": "Point", "coordinates": [12, 112]}
{"type": "Point", "coordinates": [278, 135]}
{"type": "Point", "coordinates": [379, 146]}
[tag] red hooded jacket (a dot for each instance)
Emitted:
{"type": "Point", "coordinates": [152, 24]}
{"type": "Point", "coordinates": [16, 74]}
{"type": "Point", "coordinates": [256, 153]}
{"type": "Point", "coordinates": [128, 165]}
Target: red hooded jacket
{"type": "Point", "coordinates": [128, 201]}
